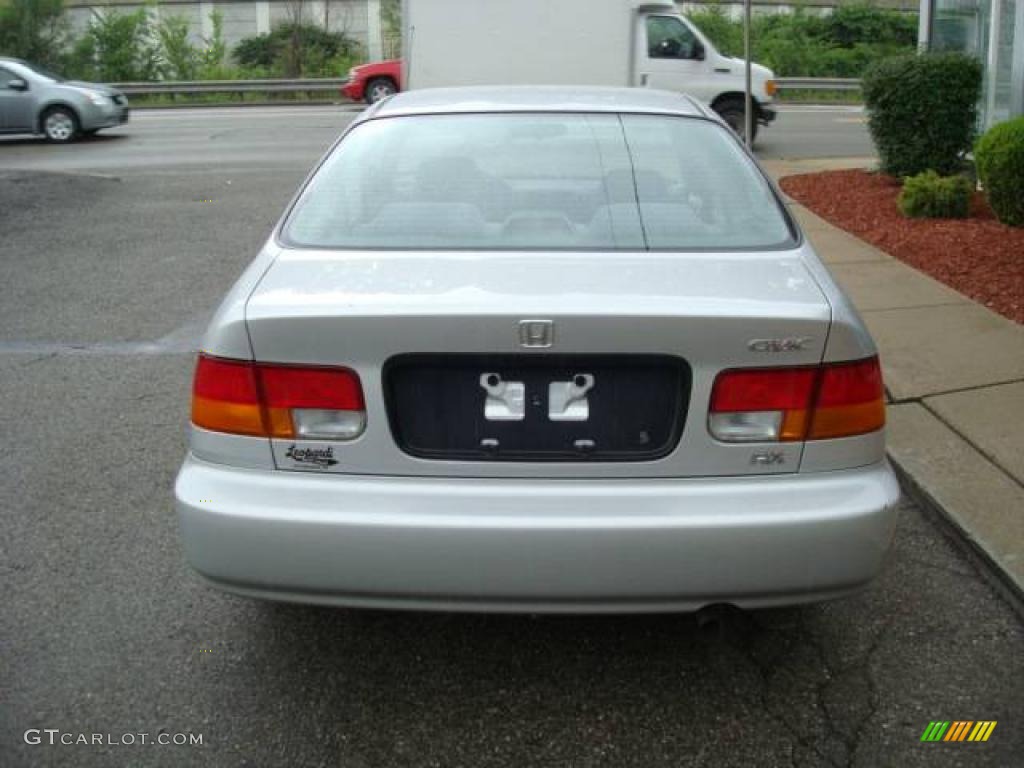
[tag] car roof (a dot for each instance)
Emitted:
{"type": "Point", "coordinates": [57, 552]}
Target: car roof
{"type": "Point", "coordinates": [539, 98]}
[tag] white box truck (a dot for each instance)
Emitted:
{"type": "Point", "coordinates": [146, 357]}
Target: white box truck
{"type": "Point", "coordinates": [645, 43]}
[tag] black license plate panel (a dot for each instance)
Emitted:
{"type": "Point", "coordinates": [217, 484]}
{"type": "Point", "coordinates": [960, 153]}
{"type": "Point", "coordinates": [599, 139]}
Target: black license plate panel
{"type": "Point", "coordinates": [637, 407]}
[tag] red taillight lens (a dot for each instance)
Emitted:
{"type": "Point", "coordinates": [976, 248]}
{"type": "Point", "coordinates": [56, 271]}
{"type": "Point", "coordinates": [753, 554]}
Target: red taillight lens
{"type": "Point", "coordinates": [781, 389]}
{"type": "Point", "coordinates": [288, 386]}
{"type": "Point", "coordinates": [287, 401]}
{"type": "Point", "coordinates": [805, 403]}
{"type": "Point", "coordinates": [851, 400]}
{"type": "Point", "coordinates": [225, 397]}
{"type": "Point", "coordinates": [762, 404]}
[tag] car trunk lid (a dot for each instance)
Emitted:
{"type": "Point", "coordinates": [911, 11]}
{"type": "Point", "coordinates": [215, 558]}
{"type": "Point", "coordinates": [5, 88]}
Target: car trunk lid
{"type": "Point", "coordinates": [651, 330]}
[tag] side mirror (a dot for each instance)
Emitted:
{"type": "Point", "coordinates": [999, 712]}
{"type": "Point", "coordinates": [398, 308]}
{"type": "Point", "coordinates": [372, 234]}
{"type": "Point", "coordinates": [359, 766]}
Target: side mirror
{"type": "Point", "coordinates": [698, 50]}
{"type": "Point", "coordinates": [17, 85]}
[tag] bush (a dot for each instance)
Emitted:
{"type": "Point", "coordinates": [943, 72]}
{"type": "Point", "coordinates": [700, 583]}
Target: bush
{"type": "Point", "coordinates": [211, 57]}
{"type": "Point", "coordinates": [999, 156]}
{"type": "Point", "coordinates": [117, 47]}
{"type": "Point", "coordinates": [849, 25]}
{"type": "Point", "coordinates": [726, 34]}
{"type": "Point", "coordinates": [179, 58]}
{"type": "Point", "coordinates": [34, 30]}
{"type": "Point", "coordinates": [922, 111]}
{"type": "Point", "coordinates": [297, 49]}
{"type": "Point", "coordinates": [803, 44]}
{"type": "Point", "coordinates": [930, 196]}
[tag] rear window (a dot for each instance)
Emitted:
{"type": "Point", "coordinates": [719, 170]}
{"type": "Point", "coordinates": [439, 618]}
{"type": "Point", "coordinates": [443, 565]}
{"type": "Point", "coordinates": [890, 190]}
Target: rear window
{"type": "Point", "coordinates": [538, 182]}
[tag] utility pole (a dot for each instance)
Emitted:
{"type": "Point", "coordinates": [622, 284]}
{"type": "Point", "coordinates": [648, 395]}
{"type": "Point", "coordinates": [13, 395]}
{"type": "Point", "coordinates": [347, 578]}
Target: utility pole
{"type": "Point", "coordinates": [748, 112]}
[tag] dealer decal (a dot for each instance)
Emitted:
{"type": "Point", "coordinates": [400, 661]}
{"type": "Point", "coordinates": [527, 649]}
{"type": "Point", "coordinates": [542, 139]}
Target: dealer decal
{"type": "Point", "coordinates": [320, 457]}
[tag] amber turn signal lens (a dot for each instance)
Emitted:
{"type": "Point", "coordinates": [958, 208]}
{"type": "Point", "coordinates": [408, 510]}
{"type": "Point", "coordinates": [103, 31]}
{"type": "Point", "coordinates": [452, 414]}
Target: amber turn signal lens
{"type": "Point", "coordinates": [798, 403]}
{"type": "Point", "coordinates": [288, 401]}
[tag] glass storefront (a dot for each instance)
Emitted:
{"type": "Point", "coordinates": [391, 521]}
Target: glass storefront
{"type": "Point", "coordinates": [992, 30]}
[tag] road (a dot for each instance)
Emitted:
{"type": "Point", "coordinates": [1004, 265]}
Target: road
{"type": "Point", "coordinates": [107, 274]}
{"type": "Point", "coordinates": [251, 138]}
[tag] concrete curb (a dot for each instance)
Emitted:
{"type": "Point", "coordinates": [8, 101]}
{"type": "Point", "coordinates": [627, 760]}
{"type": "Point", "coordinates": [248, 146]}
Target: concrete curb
{"type": "Point", "coordinates": [1008, 588]}
{"type": "Point", "coordinates": [981, 502]}
{"type": "Point", "coordinates": [955, 373]}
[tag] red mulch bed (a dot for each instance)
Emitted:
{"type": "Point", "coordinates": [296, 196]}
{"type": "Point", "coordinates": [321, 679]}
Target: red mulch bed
{"type": "Point", "coordinates": [977, 256]}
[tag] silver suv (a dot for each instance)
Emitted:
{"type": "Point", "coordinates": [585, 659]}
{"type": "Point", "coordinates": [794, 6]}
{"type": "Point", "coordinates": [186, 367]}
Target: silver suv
{"type": "Point", "coordinates": [34, 100]}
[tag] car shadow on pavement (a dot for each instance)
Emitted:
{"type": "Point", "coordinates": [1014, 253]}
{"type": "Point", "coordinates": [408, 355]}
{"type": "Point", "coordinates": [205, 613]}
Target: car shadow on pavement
{"type": "Point", "coordinates": [436, 677]}
{"type": "Point", "coordinates": [30, 141]}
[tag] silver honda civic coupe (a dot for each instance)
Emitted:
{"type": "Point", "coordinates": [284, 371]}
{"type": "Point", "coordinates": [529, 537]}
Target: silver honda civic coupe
{"type": "Point", "coordinates": [537, 349]}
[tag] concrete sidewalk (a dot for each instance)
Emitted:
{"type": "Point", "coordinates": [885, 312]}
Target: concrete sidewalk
{"type": "Point", "coordinates": [954, 372]}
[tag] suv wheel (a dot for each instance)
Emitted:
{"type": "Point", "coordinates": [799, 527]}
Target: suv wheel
{"type": "Point", "coordinates": [60, 124]}
{"type": "Point", "coordinates": [380, 88]}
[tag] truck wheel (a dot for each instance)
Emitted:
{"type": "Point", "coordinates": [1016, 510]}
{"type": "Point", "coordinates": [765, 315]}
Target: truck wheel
{"type": "Point", "coordinates": [379, 88]}
{"type": "Point", "coordinates": [60, 124]}
{"type": "Point", "coordinates": [731, 110]}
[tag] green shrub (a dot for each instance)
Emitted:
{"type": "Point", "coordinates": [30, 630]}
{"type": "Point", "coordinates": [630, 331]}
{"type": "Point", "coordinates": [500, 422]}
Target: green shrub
{"type": "Point", "coordinates": [804, 44]}
{"type": "Point", "coordinates": [211, 57]}
{"type": "Point", "coordinates": [999, 156]}
{"type": "Point", "coordinates": [35, 30]}
{"type": "Point", "coordinates": [922, 111]}
{"type": "Point", "coordinates": [117, 47]}
{"type": "Point", "coordinates": [179, 59]}
{"type": "Point", "coordinates": [849, 25]}
{"type": "Point", "coordinates": [297, 49]}
{"type": "Point", "coordinates": [930, 196]}
{"type": "Point", "coordinates": [714, 21]}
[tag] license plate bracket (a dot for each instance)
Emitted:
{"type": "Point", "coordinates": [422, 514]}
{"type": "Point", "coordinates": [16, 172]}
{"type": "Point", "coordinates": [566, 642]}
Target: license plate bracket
{"type": "Point", "coordinates": [573, 407]}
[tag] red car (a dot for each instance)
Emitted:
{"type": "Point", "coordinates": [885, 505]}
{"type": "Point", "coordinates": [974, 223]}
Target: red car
{"type": "Point", "coordinates": [373, 82]}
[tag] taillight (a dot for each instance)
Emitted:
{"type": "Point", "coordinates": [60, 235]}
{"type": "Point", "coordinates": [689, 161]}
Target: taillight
{"type": "Point", "coordinates": [805, 403]}
{"type": "Point", "coordinates": [288, 401]}
{"type": "Point", "coordinates": [851, 400]}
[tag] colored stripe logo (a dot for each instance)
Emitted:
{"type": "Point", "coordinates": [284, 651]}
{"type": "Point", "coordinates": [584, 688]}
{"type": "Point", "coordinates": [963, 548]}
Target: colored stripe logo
{"type": "Point", "coordinates": [958, 730]}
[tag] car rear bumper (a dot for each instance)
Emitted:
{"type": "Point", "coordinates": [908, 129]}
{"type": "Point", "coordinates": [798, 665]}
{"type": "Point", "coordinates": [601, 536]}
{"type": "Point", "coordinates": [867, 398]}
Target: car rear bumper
{"type": "Point", "coordinates": [536, 545]}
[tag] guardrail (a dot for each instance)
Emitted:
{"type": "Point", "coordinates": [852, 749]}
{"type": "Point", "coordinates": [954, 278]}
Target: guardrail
{"type": "Point", "coordinates": [179, 87]}
{"type": "Point", "coordinates": [306, 85]}
{"type": "Point", "coordinates": [818, 83]}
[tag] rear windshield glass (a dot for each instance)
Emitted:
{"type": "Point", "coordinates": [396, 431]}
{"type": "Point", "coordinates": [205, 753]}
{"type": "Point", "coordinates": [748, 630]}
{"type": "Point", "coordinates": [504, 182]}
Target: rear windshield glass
{"type": "Point", "coordinates": [538, 181]}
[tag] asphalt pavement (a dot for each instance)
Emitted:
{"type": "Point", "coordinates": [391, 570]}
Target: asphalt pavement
{"type": "Point", "coordinates": [255, 138]}
{"type": "Point", "coordinates": [108, 270]}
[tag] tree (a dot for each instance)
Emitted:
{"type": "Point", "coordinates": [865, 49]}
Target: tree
{"type": "Point", "coordinates": [391, 20]}
{"type": "Point", "coordinates": [117, 47]}
{"type": "Point", "coordinates": [179, 58]}
{"type": "Point", "coordinates": [295, 10]}
{"type": "Point", "coordinates": [214, 47]}
{"type": "Point", "coordinates": [34, 30]}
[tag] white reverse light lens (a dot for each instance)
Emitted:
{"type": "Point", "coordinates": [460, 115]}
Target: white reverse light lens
{"type": "Point", "coordinates": [746, 426]}
{"type": "Point", "coordinates": [328, 424]}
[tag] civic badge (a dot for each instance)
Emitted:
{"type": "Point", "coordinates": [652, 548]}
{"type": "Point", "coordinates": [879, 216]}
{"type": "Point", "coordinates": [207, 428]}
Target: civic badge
{"type": "Point", "coordinates": [536, 334]}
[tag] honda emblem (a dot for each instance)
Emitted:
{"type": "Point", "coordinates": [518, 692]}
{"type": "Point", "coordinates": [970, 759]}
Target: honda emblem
{"type": "Point", "coordinates": [536, 334]}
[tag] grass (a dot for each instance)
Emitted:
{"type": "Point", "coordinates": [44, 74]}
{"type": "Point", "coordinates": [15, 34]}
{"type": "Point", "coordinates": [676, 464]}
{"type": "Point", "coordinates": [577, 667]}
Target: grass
{"type": "Point", "coordinates": [806, 96]}
{"type": "Point", "coordinates": [233, 99]}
